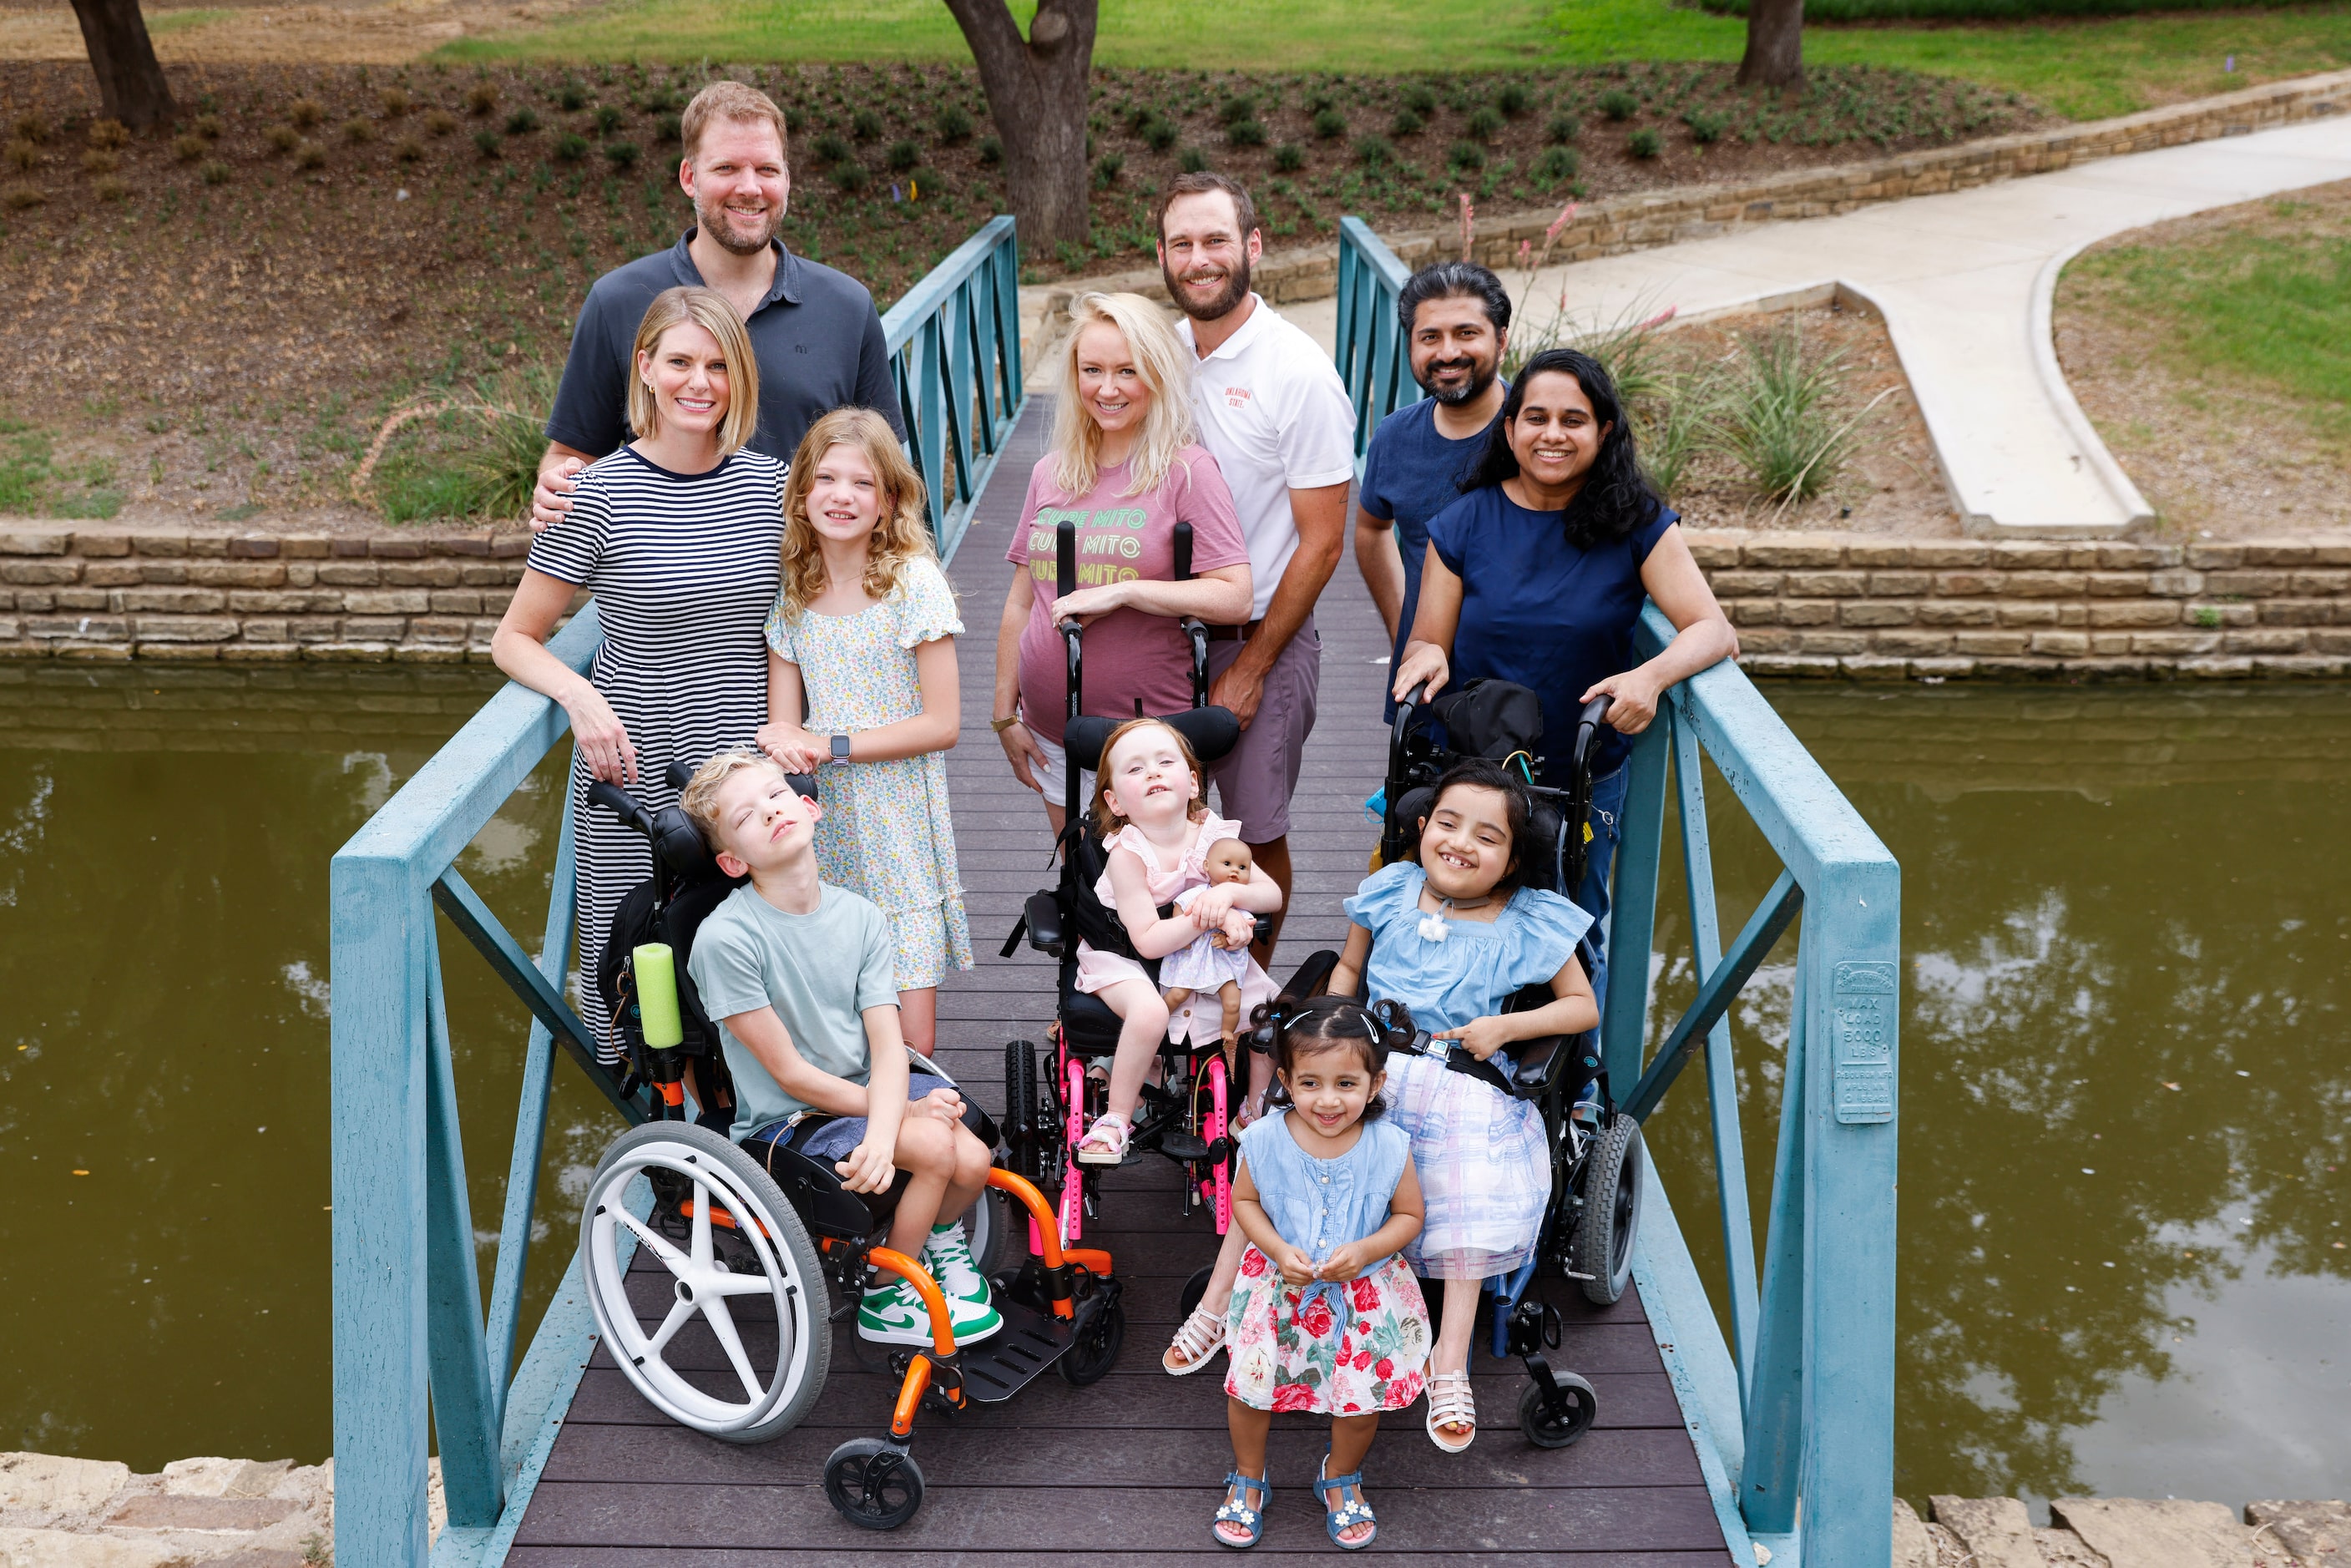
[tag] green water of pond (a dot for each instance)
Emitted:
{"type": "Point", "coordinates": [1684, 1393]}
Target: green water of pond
{"type": "Point", "coordinates": [2126, 1055]}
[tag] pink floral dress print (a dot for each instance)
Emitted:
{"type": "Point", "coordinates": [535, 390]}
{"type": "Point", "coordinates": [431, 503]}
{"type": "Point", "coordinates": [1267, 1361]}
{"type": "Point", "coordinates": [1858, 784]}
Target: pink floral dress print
{"type": "Point", "coordinates": [1336, 1348]}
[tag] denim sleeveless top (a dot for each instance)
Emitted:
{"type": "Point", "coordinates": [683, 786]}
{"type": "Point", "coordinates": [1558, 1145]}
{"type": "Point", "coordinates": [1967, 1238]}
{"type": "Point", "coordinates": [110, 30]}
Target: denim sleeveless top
{"type": "Point", "coordinates": [1318, 1206]}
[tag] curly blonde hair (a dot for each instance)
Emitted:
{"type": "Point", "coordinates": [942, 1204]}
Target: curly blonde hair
{"type": "Point", "coordinates": [900, 534]}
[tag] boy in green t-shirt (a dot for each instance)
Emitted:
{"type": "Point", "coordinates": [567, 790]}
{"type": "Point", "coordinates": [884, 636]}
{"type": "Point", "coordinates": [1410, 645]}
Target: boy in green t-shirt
{"type": "Point", "coordinates": [800, 977]}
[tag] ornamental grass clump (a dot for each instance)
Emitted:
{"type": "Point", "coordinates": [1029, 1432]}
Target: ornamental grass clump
{"type": "Point", "coordinates": [1784, 417]}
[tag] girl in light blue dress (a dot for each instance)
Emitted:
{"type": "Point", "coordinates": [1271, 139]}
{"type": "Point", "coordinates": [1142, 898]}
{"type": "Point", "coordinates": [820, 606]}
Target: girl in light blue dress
{"type": "Point", "coordinates": [1452, 936]}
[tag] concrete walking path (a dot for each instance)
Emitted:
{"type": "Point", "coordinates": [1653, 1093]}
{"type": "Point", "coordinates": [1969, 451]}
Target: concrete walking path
{"type": "Point", "coordinates": [1964, 281]}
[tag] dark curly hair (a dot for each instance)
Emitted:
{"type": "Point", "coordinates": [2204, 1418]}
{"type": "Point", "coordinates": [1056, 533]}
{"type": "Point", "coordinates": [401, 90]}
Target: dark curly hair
{"type": "Point", "coordinates": [1615, 497]}
{"type": "Point", "coordinates": [1325, 1023]}
{"type": "Point", "coordinates": [1518, 809]}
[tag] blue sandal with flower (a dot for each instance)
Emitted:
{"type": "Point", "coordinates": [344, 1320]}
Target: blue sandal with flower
{"type": "Point", "coordinates": [1341, 1512]}
{"type": "Point", "coordinates": [1237, 1510]}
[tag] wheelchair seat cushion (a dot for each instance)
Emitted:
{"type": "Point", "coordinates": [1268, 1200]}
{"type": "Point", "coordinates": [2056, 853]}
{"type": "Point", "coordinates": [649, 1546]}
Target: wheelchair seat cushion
{"type": "Point", "coordinates": [1093, 1027]}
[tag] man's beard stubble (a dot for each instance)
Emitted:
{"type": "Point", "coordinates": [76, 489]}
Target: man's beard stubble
{"type": "Point", "coordinates": [1235, 290]}
{"type": "Point", "coordinates": [722, 227]}
{"type": "Point", "coordinates": [1468, 392]}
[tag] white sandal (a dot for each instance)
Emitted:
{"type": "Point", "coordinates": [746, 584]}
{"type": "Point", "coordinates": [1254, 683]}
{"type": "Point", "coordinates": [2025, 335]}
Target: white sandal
{"type": "Point", "coordinates": [1450, 1403]}
{"type": "Point", "coordinates": [1198, 1341]}
{"type": "Point", "coordinates": [1105, 1142]}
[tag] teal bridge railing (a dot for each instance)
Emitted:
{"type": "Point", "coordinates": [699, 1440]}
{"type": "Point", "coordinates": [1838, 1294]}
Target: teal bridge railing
{"type": "Point", "coordinates": [1793, 1417]}
{"type": "Point", "coordinates": [414, 1343]}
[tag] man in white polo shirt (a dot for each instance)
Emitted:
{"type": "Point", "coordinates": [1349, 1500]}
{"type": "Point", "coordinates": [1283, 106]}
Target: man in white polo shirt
{"type": "Point", "coordinates": [1273, 410]}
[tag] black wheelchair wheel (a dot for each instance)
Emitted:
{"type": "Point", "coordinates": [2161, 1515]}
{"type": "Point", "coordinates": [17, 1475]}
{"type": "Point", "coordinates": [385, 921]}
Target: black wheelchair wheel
{"type": "Point", "coordinates": [1194, 1289]}
{"type": "Point", "coordinates": [1095, 1351]}
{"type": "Point", "coordinates": [873, 1484]}
{"type": "Point", "coordinates": [1021, 1111]}
{"type": "Point", "coordinates": [1546, 1429]}
{"type": "Point", "coordinates": [1603, 1246]}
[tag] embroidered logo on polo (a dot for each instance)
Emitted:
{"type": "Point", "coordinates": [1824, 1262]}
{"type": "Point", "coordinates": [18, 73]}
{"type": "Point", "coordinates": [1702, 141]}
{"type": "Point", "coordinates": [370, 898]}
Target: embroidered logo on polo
{"type": "Point", "coordinates": [1106, 541]}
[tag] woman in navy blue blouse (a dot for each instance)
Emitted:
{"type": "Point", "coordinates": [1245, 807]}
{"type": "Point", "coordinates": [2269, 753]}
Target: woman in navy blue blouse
{"type": "Point", "coordinates": [1538, 574]}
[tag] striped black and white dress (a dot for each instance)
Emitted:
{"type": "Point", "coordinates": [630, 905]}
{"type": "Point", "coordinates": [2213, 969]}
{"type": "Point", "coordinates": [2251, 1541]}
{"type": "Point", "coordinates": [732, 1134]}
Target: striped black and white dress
{"type": "Point", "coordinates": [684, 568]}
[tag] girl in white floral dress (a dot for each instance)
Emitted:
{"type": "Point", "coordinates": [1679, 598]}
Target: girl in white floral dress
{"type": "Point", "coordinates": [863, 637]}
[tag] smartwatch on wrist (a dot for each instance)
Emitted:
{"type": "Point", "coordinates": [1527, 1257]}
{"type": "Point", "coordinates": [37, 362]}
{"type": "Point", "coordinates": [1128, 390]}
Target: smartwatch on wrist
{"type": "Point", "coordinates": [840, 748]}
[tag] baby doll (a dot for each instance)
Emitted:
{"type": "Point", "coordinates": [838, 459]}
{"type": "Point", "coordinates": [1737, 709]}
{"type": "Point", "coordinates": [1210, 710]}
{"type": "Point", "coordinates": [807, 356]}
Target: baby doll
{"type": "Point", "coordinates": [1208, 962]}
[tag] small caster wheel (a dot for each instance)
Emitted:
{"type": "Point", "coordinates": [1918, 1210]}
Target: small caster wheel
{"type": "Point", "coordinates": [873, 1484]}
{"type": "Point", "coordinates": [1194, 1289]}
{"type": "Point", "coordinates": [1095, 1351]}
{"type": "Point", "coordinates": [1546, 1430]}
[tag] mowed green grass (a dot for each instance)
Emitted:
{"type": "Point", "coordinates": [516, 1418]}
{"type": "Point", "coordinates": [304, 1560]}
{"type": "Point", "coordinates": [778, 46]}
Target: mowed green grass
{"type": "Point", "coordinates": [2264, 302]}
{"type": "Point", "coordinates": [2084, 69]}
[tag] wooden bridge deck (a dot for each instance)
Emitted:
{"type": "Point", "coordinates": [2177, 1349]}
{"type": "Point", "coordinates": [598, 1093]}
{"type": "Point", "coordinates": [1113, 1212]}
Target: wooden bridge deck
{"type": "Point", "coordinates": [1129, 1467]}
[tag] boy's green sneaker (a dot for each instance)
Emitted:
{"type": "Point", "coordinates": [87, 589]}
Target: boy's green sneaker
{"type": "Point", "coordinates": [971, 1308]}
{"type": "Point", "coordinates": [892, 1313]}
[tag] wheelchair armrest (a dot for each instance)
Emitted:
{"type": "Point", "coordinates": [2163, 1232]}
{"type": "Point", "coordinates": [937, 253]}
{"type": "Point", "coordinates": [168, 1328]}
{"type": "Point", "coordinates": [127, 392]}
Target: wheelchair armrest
{"type": "Point", "coordinates": [1043, 913]}
{"type": "Point", "coordinates": [1534, 1063]}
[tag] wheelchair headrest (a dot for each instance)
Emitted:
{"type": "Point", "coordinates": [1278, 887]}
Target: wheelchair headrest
{"type": "Point", "coordinates": [1490, 718]}
{"type": "Point", "coordinates": [681, 774]}
{"type": "Point", "coordinates": [1212, 731]}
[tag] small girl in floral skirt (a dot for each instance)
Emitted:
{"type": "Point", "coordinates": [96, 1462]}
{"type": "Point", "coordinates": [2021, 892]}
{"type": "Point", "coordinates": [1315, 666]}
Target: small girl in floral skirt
{"type": "Point", "coordinates": [861, 692]}
{"type": "Point", "coordinates": [1325, 1318]}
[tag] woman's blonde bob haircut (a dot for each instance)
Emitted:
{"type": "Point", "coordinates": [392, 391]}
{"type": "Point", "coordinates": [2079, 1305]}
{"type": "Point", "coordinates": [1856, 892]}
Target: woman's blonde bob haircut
{"type": "Point", "coordinates": [715, 314]}
{"type": "Point", "coordinates": [900, 534]}
{"type": "Point", "coordinates": [1165, 367]}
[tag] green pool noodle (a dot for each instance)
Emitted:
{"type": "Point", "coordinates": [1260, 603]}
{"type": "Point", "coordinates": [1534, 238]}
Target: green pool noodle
{"type": "Point", "coordinates": [656, 971]}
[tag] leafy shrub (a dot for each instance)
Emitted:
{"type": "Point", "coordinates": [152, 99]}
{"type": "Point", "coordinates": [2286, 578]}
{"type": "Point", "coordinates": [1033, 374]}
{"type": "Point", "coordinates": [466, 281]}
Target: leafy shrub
{"type": "Point", "coordinates": [1644, 142]}
{"type": "Point", "coordinates": [396, 101]}
{"type": "Point", "coordinates": [486, 141]}
{"type": "Point", "coordinates": [1512, 99]}
{"type": "Point", "coordinates": [1239, 107]}
{"type": "Point", "coordinates": [187, 149]}
{"type": "Point", "coordinates": [356, 131]}
{"type": "Point", "coordinates": [100, 161]}
{"type": "Point", "coordinates": [1329, 124]}
{"type": "Point", "coordinates": [608, 119]}
{"type": "Point", "coordinates": [1159, 135]}
{"type": "Point", "coordinates": [213, 173]}
{"type": "Point", "coordinates": [1420, 98]}
{"type": "Point", "coordinates": [409, 150]}
{"type": "Point", "coordinates": [850, 175]}
{"type": "Point", "coordinates": [571, 97]}
{"type": "Point", "coordinates": [830, 148]}
{"type": "Point", "coordinates": [1564, 128]}
{"type": "Point", "coordinates": [304, 112]}
{"type": "Point", "coordinates": [620, 154]}
{"type": "Point", "coordinates": [991, 151]}
{"type": "Point", "coordinates": [1785, 422]}
{"type": "Point", "coordinates": [903, 156]}
{"type": "Point", "coordinates": [1618, 104]}
{"type": "Point", "coordinates": [310, 155]}
{"type": "Point", "coordinates": [668, 128]}
{"type": "Point", "coordinates": [1705, 125]}
{"type": "Point", "coordinates": [440, 122]}
{"type": "Point", "coordinates": [1192, 160]}
{"type": "Point", "coordinates": [1466, 156]}
{"type": "Point", "coordinates": [1107, 168]}
{"type": "Point", "coordinates": [1375, 151]}
{"type": "Point", "coordinates": [1405, 123]}
{"type": "Point", "coordinates": [1245, 133]}
{"type": "Point", "coordinates": [570, 147]}
{"type": "Point", "coordinates": [481, 98]}
{"type": "Point", "coordinates": [1289, 158]}
{"type": "Point", "coordinates": [1557, 165]}
{"type": "Point", "coordinates": [866, 125]}
{"type": "Point", "coordinates": [283, 138]}
{"type": "Point", "coordinates": [522, 122]}
{"type": "Point", "coordinates": [1486, 124]}
{"type": "Point", "coordinates": [954, 124]}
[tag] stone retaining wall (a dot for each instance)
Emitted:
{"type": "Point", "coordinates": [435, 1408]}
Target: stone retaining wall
{"type": "Point", "coordinates": [1644, 219]}
{"type": "Point", "coordinates": [1853, 605]}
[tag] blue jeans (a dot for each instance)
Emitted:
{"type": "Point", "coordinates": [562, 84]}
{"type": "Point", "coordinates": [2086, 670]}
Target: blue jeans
{"type": "Point", "coordinates": [1600, 859]}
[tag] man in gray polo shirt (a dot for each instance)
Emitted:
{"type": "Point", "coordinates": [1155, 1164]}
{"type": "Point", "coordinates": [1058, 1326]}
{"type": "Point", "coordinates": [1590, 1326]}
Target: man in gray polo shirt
{"type": "Point", "coordinates": [814, 332]}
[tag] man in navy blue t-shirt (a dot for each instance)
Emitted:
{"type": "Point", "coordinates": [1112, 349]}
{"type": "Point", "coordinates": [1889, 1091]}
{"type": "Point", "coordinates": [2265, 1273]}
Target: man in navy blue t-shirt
{"type": "Point", "coordinates": [1456, 316]}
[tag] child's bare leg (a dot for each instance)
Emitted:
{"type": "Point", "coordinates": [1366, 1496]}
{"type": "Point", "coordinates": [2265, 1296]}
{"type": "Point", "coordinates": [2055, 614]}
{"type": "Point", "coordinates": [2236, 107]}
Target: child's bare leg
{"type": "Point", "coordinates": [926, 1151]}
{"type": "Point", "coordinates": [1229, 994]}
{"type": "Point", "coordinates": [1452, 1350]}
{"type": "Point", "coordinates": [1143, 1024]}
{"type": "Point", "coordinates": [1248, 1426]}
{"type": "Point", "coordinates": [1351, 1440]}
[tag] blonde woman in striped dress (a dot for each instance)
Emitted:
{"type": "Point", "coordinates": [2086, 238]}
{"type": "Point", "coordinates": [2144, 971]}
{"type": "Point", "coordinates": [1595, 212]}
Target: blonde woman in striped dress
{"type": "Point", "coordinates": [675, 535]}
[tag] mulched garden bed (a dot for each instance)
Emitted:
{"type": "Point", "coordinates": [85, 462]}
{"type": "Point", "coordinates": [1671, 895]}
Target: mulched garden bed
{"type": "Point", "coordinates": [215, 323]}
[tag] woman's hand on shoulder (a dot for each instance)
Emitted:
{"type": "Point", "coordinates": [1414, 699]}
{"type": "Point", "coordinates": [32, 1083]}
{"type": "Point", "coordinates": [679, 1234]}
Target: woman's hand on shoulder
{"type": "Point", "coordinates": [1634, 703]}
{"type": "Point", "coordinates": [1424, 663]}
{"type": "Point", "coordinates": [792, 748]}
{"type": "Point", "coordinates": [1087, 605]}
{"type": "Point", "coordinates": [1481, 1038]}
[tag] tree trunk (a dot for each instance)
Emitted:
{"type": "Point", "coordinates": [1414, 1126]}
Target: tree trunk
{"type": "Point", "coordinates": [1037, 94]}
{"type": "Point", "coordinates": [131, 85]}
{"type": "Point", "coordinates": [1775, 45]}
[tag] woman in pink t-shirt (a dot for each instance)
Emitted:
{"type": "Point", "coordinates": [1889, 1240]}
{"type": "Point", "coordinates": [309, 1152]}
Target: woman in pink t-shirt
{"type": "Point", "coordinates": [1125, 469]}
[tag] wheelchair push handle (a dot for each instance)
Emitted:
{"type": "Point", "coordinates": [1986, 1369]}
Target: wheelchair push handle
{"type": "Point", "coordinates": [1587, 730]}
{"type": "Point", "coordinates": [621, 804]}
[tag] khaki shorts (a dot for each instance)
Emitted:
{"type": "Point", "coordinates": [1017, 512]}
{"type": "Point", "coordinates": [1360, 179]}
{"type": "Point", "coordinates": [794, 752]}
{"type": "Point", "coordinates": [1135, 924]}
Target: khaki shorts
{"type": "Point", "coordinates": [1255, 781]}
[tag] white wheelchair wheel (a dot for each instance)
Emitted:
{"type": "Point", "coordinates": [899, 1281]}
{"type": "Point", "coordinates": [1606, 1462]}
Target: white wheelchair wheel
{"type": "Point", "coordinates": [751, 1393]}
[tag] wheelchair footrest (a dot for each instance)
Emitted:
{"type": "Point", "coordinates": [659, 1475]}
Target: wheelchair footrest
{"type": "Point", "coordinates": [1008, 1360]}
